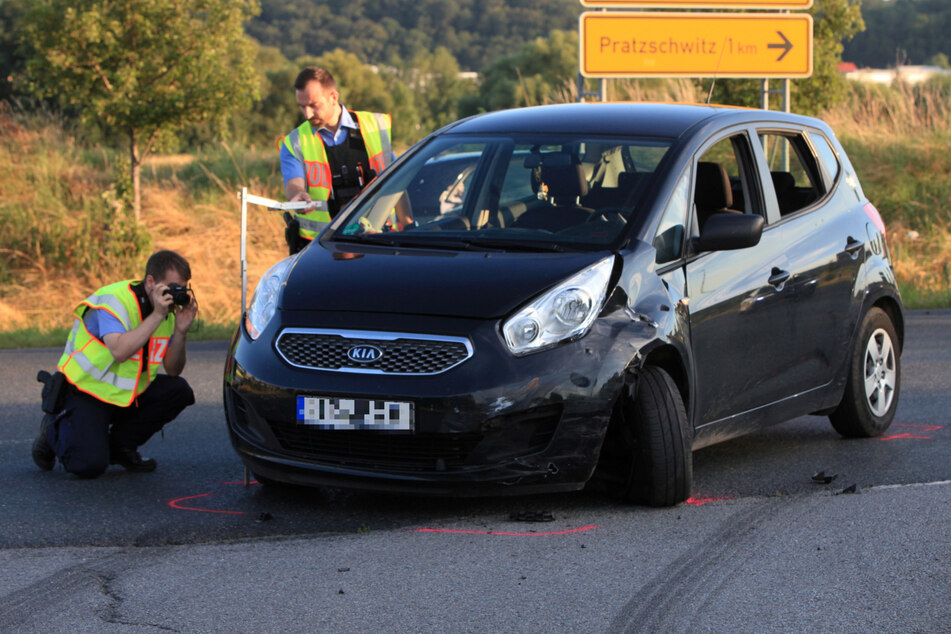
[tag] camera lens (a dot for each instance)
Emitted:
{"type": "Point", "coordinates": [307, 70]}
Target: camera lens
{"type": "Point", "coordinates": [179, 294]}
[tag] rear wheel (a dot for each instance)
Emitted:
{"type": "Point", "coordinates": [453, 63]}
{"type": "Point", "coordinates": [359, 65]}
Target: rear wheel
{"type": "Point", "coordinates": [651, 443]}
{"type": "Point", "coordinates": [871, 394]}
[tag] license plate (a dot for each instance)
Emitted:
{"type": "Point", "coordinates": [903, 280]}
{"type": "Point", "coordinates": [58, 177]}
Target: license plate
{"type": "Point", "coordinates": [354, 413]}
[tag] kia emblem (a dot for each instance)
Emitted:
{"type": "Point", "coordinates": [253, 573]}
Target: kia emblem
{"type": "Point", "coordinates": [364, 354]}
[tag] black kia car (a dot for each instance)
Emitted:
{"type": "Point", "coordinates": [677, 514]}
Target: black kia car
{"type": "Point", "coordinates": [586, 294]}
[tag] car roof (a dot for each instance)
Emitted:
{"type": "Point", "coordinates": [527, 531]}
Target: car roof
{"type": "Point", "coordinates": [638, 119]}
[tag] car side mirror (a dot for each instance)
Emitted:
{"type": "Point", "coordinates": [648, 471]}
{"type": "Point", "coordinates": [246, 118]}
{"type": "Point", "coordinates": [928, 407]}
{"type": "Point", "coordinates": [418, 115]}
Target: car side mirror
{"type": "Point", "coordinates": [727, 231]}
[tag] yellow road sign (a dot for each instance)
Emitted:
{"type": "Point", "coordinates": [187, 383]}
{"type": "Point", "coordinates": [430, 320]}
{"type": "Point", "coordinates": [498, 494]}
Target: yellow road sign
{"type": "Point", "coordinates": [617, 44]}
{"type": "Point", "coordinates": [702, 4]}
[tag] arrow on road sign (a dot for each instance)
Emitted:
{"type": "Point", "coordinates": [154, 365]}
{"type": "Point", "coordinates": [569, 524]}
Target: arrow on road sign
{"type": "Point", "coordinates": [786, 46]}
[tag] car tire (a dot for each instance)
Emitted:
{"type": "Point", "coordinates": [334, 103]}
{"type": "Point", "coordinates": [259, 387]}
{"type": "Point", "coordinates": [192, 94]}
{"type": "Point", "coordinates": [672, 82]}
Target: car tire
{"type": "Point", "coordinates": [871, 393]}
{"type": "Point", "coordinates": [659, 442]}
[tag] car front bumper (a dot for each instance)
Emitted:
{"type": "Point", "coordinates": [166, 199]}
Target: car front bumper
{"type": "Point", "coordinates": [494, 424]}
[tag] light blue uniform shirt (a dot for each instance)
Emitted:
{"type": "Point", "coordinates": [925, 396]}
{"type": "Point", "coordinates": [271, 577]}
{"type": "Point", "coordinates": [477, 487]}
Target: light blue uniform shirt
{"type": "Point", "coordinates": [100, 322]}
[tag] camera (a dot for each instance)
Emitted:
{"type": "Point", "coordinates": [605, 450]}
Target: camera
{"type": "Point", "coordinates": [179, 294]}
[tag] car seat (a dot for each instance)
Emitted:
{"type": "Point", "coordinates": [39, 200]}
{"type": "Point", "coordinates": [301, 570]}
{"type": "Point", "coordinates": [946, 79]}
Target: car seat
{"type": "Point", "coordinates": [562, 177]}
{"type": "Point", "coordinates": [713, 194]}
{"type": "Point", "coordinates": [784, 185]}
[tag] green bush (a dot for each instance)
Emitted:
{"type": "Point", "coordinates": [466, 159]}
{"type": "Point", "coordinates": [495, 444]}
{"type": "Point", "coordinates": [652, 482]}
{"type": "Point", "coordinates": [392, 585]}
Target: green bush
{"type": "Point", "coordinates": [59, 216]}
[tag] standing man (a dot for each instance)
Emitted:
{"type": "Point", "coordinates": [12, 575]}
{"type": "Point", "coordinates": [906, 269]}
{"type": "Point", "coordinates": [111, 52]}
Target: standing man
{"type": "Point", "coordinates": [112, 397]}
{"type": "Point", "coordinates": [330, 157]}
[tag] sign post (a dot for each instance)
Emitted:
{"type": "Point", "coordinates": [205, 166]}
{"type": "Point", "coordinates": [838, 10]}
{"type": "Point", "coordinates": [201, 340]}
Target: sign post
{"type": "Point", "coordinates": [697, 44]}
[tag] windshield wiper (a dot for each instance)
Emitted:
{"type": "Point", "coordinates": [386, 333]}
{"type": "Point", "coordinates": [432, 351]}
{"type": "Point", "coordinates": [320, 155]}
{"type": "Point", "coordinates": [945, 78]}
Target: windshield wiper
{"type": "Point", "coordinates": [398, 240]}
{"type": "Point", "coordinates": [374, 238]}
{"type": "Point", "coordinates": [461, 243]}
{"type": "Point", "coordinates": [516, 245]}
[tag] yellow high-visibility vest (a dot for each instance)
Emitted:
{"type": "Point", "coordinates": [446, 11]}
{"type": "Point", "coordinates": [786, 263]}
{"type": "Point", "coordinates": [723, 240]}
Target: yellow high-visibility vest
{"type": "Point", "coordinates": [87, 362]}
{"type": "Point", "coordinates": [308, 148]}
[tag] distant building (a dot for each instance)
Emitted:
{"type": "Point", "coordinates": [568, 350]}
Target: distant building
{"type": "Point", "coordinates": [907, 74]}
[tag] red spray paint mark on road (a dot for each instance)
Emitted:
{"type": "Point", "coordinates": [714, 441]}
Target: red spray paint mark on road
{"type": "Point", "coordinates": [913, 436]}
{"type": "Point", "coordinates": [176, 504]}
{"type": "Point", "coordinates": [464, 532]}
{"type": "Point", "coordinates": [702, 501]}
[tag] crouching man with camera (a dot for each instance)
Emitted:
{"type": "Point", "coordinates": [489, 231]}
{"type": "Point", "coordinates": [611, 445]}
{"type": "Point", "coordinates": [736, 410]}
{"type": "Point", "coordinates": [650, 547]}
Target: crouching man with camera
{"type": "Point", "coordinates": [108, 398]}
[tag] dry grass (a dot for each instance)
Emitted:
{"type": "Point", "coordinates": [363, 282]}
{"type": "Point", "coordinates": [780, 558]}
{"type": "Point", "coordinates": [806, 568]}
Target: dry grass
{"type": "Point", "coordinates": [45, 180]}
{"type": "Point", "coordinates": [922, 264]}
{"type": "Point", "coordinates": [897, 139]}
{"type": "Point", "coordinates": [207, 235]}
{"type": "Point", "coordinates": [894, 114]}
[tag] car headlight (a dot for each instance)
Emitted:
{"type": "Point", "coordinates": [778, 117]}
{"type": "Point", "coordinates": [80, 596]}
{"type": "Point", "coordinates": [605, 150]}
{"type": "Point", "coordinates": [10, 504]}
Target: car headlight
{"type": "Point", "coordinates": [565, 312]}
{"type": "Point", "coordinates": [265, 298]}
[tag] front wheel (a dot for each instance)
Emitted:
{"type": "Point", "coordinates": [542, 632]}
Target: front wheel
{"type": "Point", "coordinates": [655, 439]}
{"type": "Point", "coordinates": [871, 394]}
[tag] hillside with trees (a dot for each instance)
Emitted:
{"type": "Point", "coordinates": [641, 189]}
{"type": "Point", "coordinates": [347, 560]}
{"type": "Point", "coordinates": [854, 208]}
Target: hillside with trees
{"type": "Point", "coordinates": [478, 32]}
{"type": "Point", "coordinates": [93, 91]}
{"type": "Point", "coordinates": [475, 32]}
{"type": "Point", "coordinates": [902, 32]}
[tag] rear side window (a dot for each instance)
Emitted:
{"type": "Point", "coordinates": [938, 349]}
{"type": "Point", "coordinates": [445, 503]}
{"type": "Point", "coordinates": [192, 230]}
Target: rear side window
{"type": "Point", "coordinates": [794, 171]}
{"type": "Point", "coordinates": [826, 153]}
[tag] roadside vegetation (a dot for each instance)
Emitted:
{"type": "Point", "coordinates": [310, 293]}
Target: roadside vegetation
{"type": "Point", "coordinates": [112, 146]}
{"type": "Point", "coordinates": [898, 137]}
{"type": "Point", "coordinates": [66, 231]}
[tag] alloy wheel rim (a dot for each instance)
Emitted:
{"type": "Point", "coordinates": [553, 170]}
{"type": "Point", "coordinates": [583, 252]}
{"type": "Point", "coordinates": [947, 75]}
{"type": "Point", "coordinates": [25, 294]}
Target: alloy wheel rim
{"type": "Point", "coordinates": [881, 373]}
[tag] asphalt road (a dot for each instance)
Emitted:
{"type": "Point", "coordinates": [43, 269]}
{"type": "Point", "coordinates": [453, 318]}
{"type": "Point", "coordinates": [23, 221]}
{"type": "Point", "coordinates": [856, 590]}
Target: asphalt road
{"type": "Point", "coordinates": [760, 548]}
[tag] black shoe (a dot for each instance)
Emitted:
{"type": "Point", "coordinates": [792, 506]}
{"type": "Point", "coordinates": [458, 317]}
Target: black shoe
{"type": "Point", "coordinates": [43, 454]}
{"type": "Point", "coordinates": [131, 460]}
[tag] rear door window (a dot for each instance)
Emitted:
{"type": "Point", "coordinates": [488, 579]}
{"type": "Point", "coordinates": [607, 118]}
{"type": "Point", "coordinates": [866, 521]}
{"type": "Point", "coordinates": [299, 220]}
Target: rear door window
{"type": "Point", "coordinates": [794, 170]}
{"type": "Point", "coordinates": [826, 153]}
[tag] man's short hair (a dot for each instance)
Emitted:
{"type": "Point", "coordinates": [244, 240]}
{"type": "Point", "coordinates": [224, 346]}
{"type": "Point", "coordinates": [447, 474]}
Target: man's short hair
{"type": "Point", "coordinates": [161, 262]}
{"type": "Point", "coordinates": [315, 73]}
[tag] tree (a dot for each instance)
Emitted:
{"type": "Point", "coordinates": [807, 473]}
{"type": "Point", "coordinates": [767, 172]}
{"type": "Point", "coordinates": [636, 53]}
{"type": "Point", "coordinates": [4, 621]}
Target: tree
{"type": "Point", "coordinates": [537, 74]}
{"type": "Point", "coordinates": [835, 21]}
{"type": "Point", "coordinates": [11, 60]}
{"type": "Point", "coordinates": [901, 32]}
{"type": "Point", "coordinates": [271, 116]}
{"type": "Point", "coordinates": [434, 79]}
{"type": "Point", "coordinates": [940, 60]}
{"type": "Point", "coordinates": [142, 67]}
{"type": "Point", "coordinates": [476, 32]}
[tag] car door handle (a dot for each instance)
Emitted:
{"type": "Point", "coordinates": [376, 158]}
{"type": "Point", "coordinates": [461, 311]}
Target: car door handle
{"type": "Point", "coordinates": [778, 277]}
{"type": "Point", "coordinates": [853, 246]}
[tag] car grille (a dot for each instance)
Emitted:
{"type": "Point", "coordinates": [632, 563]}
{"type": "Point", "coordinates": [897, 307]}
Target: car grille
{"type": "Point", "coordinates": [401, 353]}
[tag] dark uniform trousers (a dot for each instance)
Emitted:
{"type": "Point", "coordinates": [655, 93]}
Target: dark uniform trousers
{"type": "Point", "coordinates": [86, 429]}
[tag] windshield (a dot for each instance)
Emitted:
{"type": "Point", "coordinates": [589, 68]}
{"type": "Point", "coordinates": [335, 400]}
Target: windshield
{"type": "Point", "coordinates": [508, 192]}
